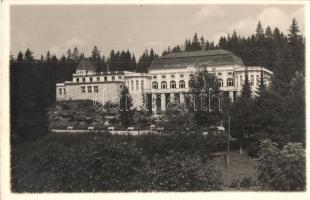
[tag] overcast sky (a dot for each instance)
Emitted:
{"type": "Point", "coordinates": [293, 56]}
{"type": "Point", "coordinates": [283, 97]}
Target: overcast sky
{"type": "Point", "coordinates": [136, 27]}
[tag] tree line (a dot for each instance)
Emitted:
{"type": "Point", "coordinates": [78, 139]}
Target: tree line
{"type": "Point", "coordinates": [33, 80]}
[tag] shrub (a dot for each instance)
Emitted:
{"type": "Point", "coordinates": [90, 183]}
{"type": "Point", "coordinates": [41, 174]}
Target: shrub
{"type": "Point", "coordinates": [80, 163]}
{"type": "Point", "coordinates": [252, 149]}
{"type": "Point", "coordinates": [180, 172]}
{"type": "Point", "coordinates": [234, 184]}
{"type": "Point", "coordinates": [103, 162]}
{"type": "Point", "coordinates": [281, 169]}
{"type": "Point", "coordinates": [246, 182]}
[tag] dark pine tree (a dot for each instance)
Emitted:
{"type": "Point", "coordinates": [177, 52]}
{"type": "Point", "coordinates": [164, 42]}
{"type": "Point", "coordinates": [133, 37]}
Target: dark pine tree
{"type": "Point", "coordinates": [28, 56]}
{"type": "Point", "coordinates": [125, 111]}
{"type": "Point", "coordinates": [246, 92]}
{"type": "Point", "coordinates": [261, 86]}
{"type": "Point", "coordinates": [20, 57]}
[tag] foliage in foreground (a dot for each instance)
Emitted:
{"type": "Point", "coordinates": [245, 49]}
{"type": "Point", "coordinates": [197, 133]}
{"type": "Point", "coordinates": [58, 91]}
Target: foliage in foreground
{"type": "Point", "coordinates": [282, 170]}
{"type": "Point", "coordinates": [93, 163]}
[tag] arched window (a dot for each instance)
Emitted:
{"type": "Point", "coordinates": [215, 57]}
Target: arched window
{"type": "Point", "coordinates": [155, 85]}
{"type": "Point", "coordinates": [252, 80]}
{"type": "Point", "coordinates": [230, 82]}
{"type": "Point", "coordinates": [220, 82]}
{"type": "Point", "coordinates": [182, 84]}
{"type": "Point", "coordinates": [173, 84]}
{"type": "Point", "coordinates": [142, 85]}
{"type": "Point", "coordinates": [137, 85]}
{"type": "Point", "coordinates": [164, 85]}
{"type": "Point", "coordinates": [241, 80]}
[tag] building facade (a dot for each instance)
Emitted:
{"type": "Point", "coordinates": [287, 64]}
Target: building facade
{"type": "Point", "coordinates": [167, 79]}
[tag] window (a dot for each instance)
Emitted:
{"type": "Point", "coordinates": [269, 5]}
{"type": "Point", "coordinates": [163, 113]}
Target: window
{"type": "Point", "coordinates": [121, 86]}
{"type": "Point", "coordinates": [172, 76]}
{"type": "Point", "coordinates": [132, 87]}
{"type": "Point", "coordinates": [137, 85]}
{"type": "Point", "coordinates": [77, 80]}
{"type": "Point", "coordinates": [173, 84]}
{"type": "Point", "coordinates": [163, 76]}
{"type": "Point", "coordinates": [96, 89]}
{"type": "Point", "coordinates": [241, 81]}
{"type": "Point", "coordinates": [113, 78]}
{"type": "Point", "coordinates": [64, 90]}
{"type": "Point", "coordinates": [89, 89]}
{"type": "Point", "coordinates": [142, 85]}
{"type": "Point", "coordinates": [98, 78]}
{"type": "Point", "coordinates": [229, 73]}
{"type": "Point", "coordinates": [181, 75]}
{"type": "Point", "coordinates": [182, 84]}
{"type": "Point", "coordinates": [105, 78]}
{"type": "Point", "coordinates": [119, 77]}
{"type": "Point", "coordinates": [83, 89]}
{"type": "Point", "coordinates": [60, 91]}
{"type": "Point", "coordinates": [252, 80]}
{"type": "Point", "coordinates": [164, 85]}
{"type": "Point", "coordinates": [83, 79]}
{"type": "Point", "coordinates": [155, 85]}
{"type": "Point", "coordinates": [191, 75]}
{"type": "Point", "coordinates": [220, 73]}
{"type": "Point", "coordinates": [230, 82]}
{"type": "Point", "coordinates": [154, 76]}
{"type": "Point", "coordinates": [91, 79]}
{"type": "Point", "coordinates": [220, 82]}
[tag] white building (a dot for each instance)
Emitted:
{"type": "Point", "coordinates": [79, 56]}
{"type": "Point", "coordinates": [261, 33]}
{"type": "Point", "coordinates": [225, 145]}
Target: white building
{"type": "Point", "coordinates": [167, 79]}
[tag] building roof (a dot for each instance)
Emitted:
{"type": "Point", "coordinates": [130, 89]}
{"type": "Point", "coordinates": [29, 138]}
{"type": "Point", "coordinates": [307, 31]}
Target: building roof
{"type": "Point", "coordinates": [197, 58]}
{"type": "Point", "coordinates": [86, 64]}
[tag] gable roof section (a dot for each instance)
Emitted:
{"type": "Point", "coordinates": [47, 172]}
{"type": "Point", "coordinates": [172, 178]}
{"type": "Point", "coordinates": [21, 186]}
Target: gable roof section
{"type": "Point", "coordinates": [86, 64]}
{"type": "Point", "coordinates": [196, 58]}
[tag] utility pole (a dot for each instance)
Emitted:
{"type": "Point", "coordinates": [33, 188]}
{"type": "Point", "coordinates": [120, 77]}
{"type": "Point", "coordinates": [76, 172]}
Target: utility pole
{"type": "Point", "coordinates": [228, 142]}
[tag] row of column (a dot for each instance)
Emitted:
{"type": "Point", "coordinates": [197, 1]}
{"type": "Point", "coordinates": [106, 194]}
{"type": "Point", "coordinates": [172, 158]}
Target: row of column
{"type": "Point", "coordinates": [181, 99]}
{"type": "Point", "coordinates": [163, 100]}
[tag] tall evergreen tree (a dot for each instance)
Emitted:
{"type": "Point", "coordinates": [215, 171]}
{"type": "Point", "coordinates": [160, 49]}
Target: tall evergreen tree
{"type": "Point", "coordinates": [28, 55]}
{"type": "Point", "coordinates": [20, 57]}
{"type": "Point", "coordinates": [261, 85]}
{"type": "Point", "coordinates": [76, 55]}
{"type": "Point", "coordinates": [293, 36]}
{"type": "Point", "coordinates": [259, 32]}
{"type": "Point", "coordinates": [48, 56]}
{"type": "Point", "coordinates": [126, 111]}
{"type": "Point", "coordinates": [195, 46]}
{"type": "Point", "coordinates": [246, 92]}
{"type": "Point", "coordinates": [95, 56]}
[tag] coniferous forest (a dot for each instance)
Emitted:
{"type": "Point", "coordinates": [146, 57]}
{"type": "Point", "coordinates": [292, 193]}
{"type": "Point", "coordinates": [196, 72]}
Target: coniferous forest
{"type": "Point", "coordinates": [33, 80]}
{"type": "Point", "coordinates": [277, 113]}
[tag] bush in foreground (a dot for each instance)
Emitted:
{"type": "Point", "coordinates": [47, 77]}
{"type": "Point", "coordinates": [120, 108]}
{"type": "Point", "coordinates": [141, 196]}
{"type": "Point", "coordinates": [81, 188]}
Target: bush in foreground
{"type": "Point", "coordinates": [282, 170]}
{"type": "Point", "coordinates": [180, 172]}
{"type": "Point", "coordinates": [101, 163]}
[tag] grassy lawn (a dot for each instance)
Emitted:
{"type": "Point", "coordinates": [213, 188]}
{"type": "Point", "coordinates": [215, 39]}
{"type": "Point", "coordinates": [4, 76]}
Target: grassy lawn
{"type": "Point", "coordinates": [241, 166]}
